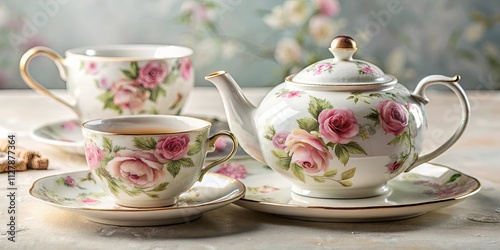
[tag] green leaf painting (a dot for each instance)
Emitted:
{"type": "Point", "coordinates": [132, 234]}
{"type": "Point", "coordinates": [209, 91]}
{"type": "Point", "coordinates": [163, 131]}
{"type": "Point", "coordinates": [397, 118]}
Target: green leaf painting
{"type": "Point", "coordinates": [174, 167]}
{"type": "Point", "coordinates": [196, 146]}
{"type": "Point", "coordinates": [107, 144]}
{"type": "Point", "coordinates": [342, 153]}
{"type": "Point", "coordinates": [160, 187]}
{"type": "Point", "coordinates": [270, 132]}
{"type": "Point", "coordinates": [454, 177]}
{"type": "Point", "coordinates": [298, 172]}
{"type": "Point", "coordinates": [317, 105]}
{"type": "Point", "coordinates": [348, 174]}
{"type": "Point", "coordinates": [308, 124]}
{"type": "Point", "coordinates": [354, 148]}
{"type": "Point", "coordinates": [144, 143]}
{"type": "Point", "coordinates": [373, 116]}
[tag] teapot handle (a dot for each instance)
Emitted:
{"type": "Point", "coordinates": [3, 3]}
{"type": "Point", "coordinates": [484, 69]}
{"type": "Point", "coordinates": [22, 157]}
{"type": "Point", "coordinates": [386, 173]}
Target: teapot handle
{"type": "Point", "coordinates": [419, 96]}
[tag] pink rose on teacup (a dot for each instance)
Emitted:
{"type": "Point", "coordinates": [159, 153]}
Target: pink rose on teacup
{"type": "Point", "coordinates": [307, 151]}
{"type": "Point", "coordinates": [94, 155]}
{"type": "Point", "coordinates": [393, 117]}
{"type": "Point", "coordinates": [104, 83]}
{"type": "Point", "coordinates": [152, 74]}
{"type": "Point", "coordinates": [129, 95]}
{"type": "Point", "coordinates": [172, 147]}
{"type": "Point", "coordinates": [338, 125]}
{"type": "Point", "coordinates": [137, 168]}
{"type": "Point", "coordinates": [92, 68]}
{"type": "Point", "coordinates": [185, 68]}
{"type": "Point", "coordinates": [279, 140]}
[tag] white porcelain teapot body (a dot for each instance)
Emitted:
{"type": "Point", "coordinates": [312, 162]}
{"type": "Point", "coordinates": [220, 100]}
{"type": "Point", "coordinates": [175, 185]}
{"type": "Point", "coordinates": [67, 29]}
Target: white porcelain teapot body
{"type": "Point", "coordinates": [340, 128]}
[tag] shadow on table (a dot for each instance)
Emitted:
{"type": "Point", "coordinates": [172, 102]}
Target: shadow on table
{"type": "Point", "coordinates": [233, 220]}
{"type": "Point", "coordinates": [428, 220]}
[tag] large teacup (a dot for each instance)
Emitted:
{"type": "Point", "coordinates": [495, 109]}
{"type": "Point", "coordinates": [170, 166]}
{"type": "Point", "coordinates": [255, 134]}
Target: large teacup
{"type": "Point", "coordinates": [149, 160]}
{"type": "Point", "coordinates": [112, 80]}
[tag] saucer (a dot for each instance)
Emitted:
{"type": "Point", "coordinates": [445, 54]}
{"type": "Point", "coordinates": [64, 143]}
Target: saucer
{"type": "Point", "coordinates": [425, 188]}
{"type": "Point", "coordinates": [77, 192]}
{"type": "Point", "coordinates": [67, 136]}
{"type": "Point", "coordinates": [64, 135]}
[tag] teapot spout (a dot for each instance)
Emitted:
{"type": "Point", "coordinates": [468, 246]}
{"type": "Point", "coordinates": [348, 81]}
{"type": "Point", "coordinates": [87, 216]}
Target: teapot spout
{"type": "Point", "coordinates": [239, 111]}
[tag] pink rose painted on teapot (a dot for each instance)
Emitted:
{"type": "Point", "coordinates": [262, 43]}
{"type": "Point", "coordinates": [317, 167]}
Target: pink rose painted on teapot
{"type": "Point", "coordinates": [307, 151]}
{"type": "Point", "coordinates": [338, 125]}
{"type": "Point", "coordinates": [393, 116]}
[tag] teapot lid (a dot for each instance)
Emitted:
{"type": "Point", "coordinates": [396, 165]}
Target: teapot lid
{"type": "Point", "coordinates": [342, 72]}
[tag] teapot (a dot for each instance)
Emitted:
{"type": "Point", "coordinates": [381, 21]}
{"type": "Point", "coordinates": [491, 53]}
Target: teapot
{"type": "Point", "coordinates": [339, 128]}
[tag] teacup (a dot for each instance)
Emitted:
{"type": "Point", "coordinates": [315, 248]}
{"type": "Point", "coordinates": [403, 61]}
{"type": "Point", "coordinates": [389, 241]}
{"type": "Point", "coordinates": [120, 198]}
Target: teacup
{"type": "Point", "coordinates": [111, 80]}
{"type": "Point", "coordinates": [149, 160]}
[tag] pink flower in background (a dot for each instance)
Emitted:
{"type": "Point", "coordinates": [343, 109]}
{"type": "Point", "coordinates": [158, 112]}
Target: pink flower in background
{"type": "Point", "coordinates": [393, 117]}
{"type": "Point", "coordinates": [322, 29]}
{"type": "Point", "coordinates": [328, 7]}
{"type": "Point", "coordinates": [279, 140]}
{"type": "Point", "coordinates": [92, 68]}
{"type": "Point", "coordinates": [129, 95]}
{"type": "Point", "coordinates": [198, 12]}
{"type": "Point", "coordinates": [138, 168]}
{"type": "Point", "coordinates": [93, 155]}
{"type": "Point", "coordinates": [233, 169]}
{"type": "Point", "coordinates": [295, 12]}
{"type": "Point", "coordinates": [307, 151]}
{"type": "Point", "coordinates": [70, 182]}
{"type": "Point", "coordinates": [172, 147]}
{"type": "Point", "coordinates": [152, 74]}
{"type": "Point", "coordinates": [288, 51]}
{"type": "Point", "coordinates": [322, 67]}
{"type": "Point", "coordinates": [291, 94]}
{"type": "Point", "coordinates": [367, 70]}
{"type": "Point", "coordinates": [220, 144]}
{"type": "Point", "coordinates": [185, 68]}
{"type": "Point", "coordinates": [338, 125]}
{"type": "Point", "coordinates": [89, 201]}
{"type": "Point", "coordinates": [394, 167]}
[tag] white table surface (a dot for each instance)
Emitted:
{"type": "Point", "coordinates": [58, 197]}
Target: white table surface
{"type": "Point", "coordinates": [477, 153]}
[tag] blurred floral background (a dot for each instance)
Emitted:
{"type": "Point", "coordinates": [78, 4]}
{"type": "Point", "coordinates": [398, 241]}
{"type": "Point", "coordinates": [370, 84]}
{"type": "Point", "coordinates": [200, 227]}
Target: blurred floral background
{"type": "Point", "coordinates": [260, 42]}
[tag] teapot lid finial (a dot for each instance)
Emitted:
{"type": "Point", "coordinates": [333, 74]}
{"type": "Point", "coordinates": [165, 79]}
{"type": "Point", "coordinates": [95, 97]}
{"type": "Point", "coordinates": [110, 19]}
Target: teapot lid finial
{"type": "Point", "coordinates": [343, 48]}
{"type": "Point", "coordinates": [343, 42]}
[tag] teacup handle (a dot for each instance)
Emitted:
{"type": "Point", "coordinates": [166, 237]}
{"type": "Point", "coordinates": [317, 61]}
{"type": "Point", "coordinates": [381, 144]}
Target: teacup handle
{"type": "Point", "coordinates": [419, 95]}
{"type": "Point", "coordinates": [32, 83]}
{"type": "Point", "coordinates": [211, 145]}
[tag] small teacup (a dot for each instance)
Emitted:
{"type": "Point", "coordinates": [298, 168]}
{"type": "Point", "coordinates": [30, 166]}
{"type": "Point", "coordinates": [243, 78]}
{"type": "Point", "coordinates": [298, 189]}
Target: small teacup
{"type": "Point", "coordinates": [112, 80]}
{"type": "Point", "coordinates": [149, 160]}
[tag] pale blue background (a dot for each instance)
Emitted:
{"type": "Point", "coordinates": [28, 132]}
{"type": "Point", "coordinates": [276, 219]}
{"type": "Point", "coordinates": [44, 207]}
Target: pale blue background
{"type": "Point", "coordinates": [427, 37]}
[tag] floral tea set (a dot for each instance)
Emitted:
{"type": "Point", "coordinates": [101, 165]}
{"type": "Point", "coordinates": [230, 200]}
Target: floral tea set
{"type": "Point", "coordinates": [338, 130]}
